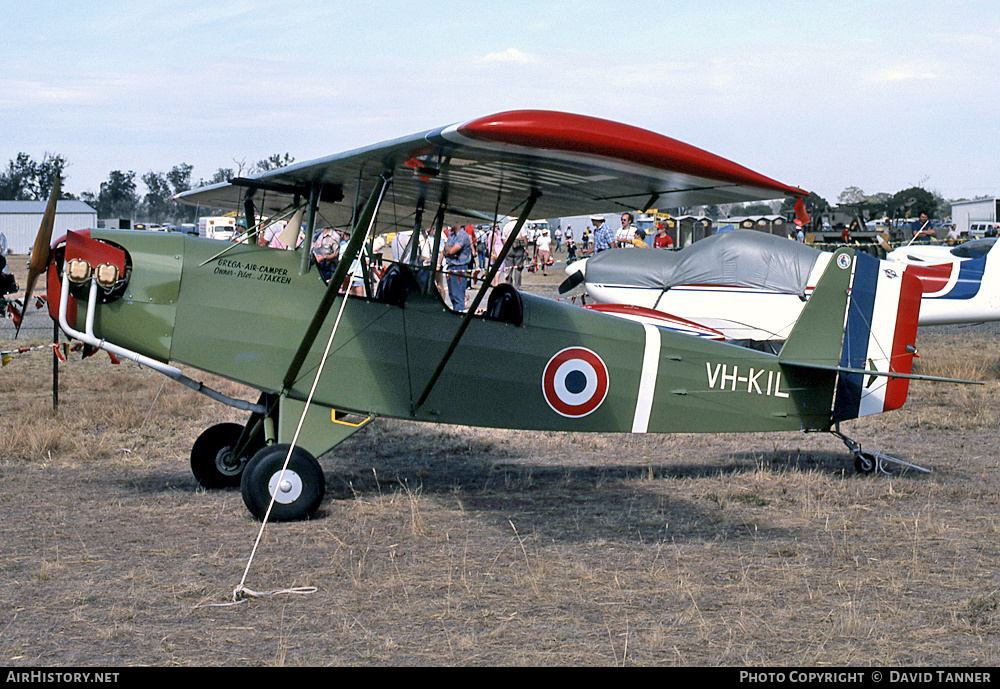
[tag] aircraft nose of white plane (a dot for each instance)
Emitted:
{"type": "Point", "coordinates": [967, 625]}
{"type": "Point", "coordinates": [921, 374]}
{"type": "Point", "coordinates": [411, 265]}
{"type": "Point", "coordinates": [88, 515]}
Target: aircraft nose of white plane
{"type": "Point", "coordinates": [577, 267]}
{"type": "Point", "coordinates": [577, 272]}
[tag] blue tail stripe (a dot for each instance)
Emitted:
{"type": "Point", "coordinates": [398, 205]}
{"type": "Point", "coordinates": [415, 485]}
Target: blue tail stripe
{"type": "Point", "coordinates": [854, 354]}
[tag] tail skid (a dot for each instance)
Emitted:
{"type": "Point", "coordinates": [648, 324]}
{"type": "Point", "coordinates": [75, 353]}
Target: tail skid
{"type": "Point", "coordinates": [869, 462]}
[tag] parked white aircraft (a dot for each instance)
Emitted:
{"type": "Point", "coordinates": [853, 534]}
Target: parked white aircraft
{"type": "Point", "coordinates": [934, 254]}
{"type": "Point", "coordinates": [752, 286]}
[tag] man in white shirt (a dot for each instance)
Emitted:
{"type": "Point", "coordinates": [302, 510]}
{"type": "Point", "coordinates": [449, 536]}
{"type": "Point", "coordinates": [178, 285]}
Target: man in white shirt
{"type": "Point", "coordinates": [544, 244]}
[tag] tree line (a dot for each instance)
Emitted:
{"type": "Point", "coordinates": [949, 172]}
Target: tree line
{"type": "Point", "coordinates": [27, 179]}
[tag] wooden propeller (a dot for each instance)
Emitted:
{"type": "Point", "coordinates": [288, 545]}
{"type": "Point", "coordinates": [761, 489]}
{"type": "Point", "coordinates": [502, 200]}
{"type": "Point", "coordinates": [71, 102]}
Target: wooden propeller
{"type": "Point", "coordinates": [40, 252]}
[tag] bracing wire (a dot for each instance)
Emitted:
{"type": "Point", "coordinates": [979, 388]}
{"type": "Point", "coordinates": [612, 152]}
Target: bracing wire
{"type": "Point", "coordinates": [241, 592]}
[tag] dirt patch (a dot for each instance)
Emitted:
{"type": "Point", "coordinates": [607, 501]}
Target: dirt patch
{"type": "Point", "coordinates": [446, 545]}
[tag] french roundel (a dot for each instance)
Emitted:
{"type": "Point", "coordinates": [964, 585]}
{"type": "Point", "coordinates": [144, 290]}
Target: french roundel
{"type": "Point", "coordinates": [575, 382]}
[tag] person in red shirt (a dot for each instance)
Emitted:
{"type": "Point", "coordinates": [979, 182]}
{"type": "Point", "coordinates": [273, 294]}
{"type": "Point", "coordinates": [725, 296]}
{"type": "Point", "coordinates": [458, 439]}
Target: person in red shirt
{"type": "Point", "coordinates": [662, 240]}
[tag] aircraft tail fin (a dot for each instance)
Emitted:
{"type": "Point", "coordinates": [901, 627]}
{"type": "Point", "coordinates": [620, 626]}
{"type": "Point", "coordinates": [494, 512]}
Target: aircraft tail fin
{"type": "Point", "coordinates": [860, 321]}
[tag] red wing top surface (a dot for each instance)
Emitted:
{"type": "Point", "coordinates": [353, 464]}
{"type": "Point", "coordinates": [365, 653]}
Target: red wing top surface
{"type": "Point", "coordinates": [579, 164]}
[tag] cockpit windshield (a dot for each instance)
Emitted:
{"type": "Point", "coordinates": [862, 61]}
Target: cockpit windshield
{"type": "Point", "coordinates": [977, 248]}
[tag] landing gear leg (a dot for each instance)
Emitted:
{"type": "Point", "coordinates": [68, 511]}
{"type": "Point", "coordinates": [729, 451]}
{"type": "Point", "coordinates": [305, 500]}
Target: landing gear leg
{"type": "Point", "coordinates": [871, 462]}
{"type": "Point", "coordinates": [220, 453]}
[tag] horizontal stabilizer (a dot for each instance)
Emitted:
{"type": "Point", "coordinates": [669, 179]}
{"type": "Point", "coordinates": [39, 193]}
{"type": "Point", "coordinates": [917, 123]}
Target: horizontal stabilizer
{"type": "Point", "coordinates": [891, 374]}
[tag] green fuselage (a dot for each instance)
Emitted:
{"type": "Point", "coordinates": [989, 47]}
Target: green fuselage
{"type": "Point", "coordinates": [243, 315]}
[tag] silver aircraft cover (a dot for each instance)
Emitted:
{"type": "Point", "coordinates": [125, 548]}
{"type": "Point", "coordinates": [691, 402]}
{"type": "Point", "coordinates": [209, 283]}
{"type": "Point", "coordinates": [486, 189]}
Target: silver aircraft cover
{"type": "Point", "coordinates": [741, 258]}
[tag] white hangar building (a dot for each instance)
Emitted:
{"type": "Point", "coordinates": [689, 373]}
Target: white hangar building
{"type": "Point", "coordinates": [968, 214]}
{"type": "Point", "coordinates": [19, 221]}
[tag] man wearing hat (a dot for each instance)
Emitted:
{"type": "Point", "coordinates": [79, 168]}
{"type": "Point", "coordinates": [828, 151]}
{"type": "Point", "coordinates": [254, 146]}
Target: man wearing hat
{"type": "Point", "coordinates": [662, 240]}
{"type": "Point", "coordinates": [604, 237]}
{"type": "Point", "coordinates": [544, 245]}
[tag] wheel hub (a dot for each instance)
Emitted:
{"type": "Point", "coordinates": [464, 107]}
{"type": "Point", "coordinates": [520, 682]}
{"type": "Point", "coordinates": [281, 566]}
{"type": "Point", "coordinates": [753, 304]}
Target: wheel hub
{"type": "Point", "coordinates": [227, 463]}
{"type": "Point", "coordinates": [285, 487]}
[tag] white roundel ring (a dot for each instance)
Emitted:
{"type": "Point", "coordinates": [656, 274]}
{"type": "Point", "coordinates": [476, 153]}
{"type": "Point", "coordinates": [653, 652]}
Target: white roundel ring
{"type": "Point", "coordinates": [575, 382]}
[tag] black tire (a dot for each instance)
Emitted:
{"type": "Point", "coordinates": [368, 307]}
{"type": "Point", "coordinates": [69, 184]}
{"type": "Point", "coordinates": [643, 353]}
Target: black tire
{"type": "Point", "coordinates": [864, 462]}
{"type": "Point", "coordinates": [212, 458]}
{"type": "Point", "coordinates": [304, 482]}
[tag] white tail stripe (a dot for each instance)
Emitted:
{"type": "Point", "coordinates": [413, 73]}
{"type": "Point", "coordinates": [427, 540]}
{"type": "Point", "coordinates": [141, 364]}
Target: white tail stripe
{"type": "Point", "coordinates": [647, 379]}
{"type": "Point", "coordinates": [880, 339]}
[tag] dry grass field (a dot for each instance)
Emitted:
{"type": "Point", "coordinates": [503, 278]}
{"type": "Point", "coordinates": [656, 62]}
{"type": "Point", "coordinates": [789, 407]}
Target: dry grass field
{"type": "Point", "coordinates": [457, 546]}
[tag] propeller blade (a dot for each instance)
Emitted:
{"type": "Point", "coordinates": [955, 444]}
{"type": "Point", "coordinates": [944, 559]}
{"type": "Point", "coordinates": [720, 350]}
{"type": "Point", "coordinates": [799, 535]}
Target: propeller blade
{"type": "Point", "coordinates": [571, 282]}
{"type": "Point", "coordinates": [40, 252]}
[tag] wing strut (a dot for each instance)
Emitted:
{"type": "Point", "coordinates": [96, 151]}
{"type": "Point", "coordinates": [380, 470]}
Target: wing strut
{"type": "Point", "coordinates": [248, 210]}
{"type": "Point", "coordinates": [436, 246]}
{"type": "Point", "coordinates": [471, 311]}
{"type": "Point", "coordinates": [365, 221]}
{"type": "Point", "coordinates": [413, 248]}
{"type": "Point", "coordinates": [310, 228]}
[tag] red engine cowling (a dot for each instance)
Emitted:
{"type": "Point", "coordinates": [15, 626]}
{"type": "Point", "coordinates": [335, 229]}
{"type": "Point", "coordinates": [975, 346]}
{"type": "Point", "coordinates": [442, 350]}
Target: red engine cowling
{"type": "Point", "coordinates": [84, 257]}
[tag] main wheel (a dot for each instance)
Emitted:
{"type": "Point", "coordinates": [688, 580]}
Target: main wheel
{"type": "Point", "coordinates": [297, 492]}
{"type": "Point", "coordinates": [214, 460]}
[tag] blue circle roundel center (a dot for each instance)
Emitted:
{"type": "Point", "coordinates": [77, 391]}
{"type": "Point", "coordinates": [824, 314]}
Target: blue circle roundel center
{"type": "Point", "coordinates": [576, 381]}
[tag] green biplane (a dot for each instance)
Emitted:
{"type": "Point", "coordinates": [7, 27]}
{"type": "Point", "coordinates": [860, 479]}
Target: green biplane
{"type": "Point", "coordinates": [327, 362]}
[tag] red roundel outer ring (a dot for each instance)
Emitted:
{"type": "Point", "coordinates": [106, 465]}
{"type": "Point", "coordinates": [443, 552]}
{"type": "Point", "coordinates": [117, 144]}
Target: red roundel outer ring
{"type": "Point", "coordinates": [553, 382]}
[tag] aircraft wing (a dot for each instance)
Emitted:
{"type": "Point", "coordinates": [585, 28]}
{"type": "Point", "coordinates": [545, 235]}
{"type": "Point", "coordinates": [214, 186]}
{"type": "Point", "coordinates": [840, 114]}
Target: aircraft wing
{"type": "Point", "coordinates": [580, 164]}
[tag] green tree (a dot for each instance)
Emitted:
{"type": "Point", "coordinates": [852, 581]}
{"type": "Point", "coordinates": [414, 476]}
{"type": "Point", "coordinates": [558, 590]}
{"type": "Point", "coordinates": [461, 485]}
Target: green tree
{"type": "Point", "coordinates": [273, 162]}
{"type": "Point", "coordinates": [222, 175]}
{"type": "Point", "coordinates": [51, 167]}
{"type": "Point", "coordinates": [852, 195]}
{"type": "Point", "coordinates": [179, 178]}
{"type": "Point", "coordinates": [157, 204]}
{"type": "Point", "coordinates": [28, 180]}
{"type": "Point", "coordinates": [15, 181]}
{"type": "Point", "coordinates": [815, 205]}
{"type": "Point", "coordinates": [118, 198]}
{"type": "Point", "coordinates": [910, 203]}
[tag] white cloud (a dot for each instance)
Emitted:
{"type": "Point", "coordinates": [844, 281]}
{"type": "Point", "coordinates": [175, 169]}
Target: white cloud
{"type": "Point", "coordinates": [510, 55]}
{"type": "Point", "coordinates": [891, 74]}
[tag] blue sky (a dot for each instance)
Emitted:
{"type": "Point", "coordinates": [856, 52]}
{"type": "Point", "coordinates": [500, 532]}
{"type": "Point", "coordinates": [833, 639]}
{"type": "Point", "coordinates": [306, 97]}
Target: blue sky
{"type": "Point", "coordinates": [821, 95]}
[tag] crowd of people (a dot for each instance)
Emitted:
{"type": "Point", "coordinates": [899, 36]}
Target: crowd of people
{"type": "Point", "coordinates": [628, 236]}
{"type": "Point", "coordinates": [467, 252]}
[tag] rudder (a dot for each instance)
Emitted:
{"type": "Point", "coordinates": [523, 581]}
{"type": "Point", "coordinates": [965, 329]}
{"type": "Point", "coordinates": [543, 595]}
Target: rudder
{"type": "Point", "coordinates": [879, 335]}
{"type": "Point", "coordinates": [862, 316]}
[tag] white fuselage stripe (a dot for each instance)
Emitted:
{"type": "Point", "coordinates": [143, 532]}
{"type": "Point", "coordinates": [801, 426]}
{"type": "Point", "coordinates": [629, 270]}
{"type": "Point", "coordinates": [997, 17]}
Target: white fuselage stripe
{"type": "Point", "coordinates": [647, 379]}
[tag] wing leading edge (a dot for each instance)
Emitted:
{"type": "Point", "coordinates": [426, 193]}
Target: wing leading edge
{"type": "Point", "coordinates": [580, 165]}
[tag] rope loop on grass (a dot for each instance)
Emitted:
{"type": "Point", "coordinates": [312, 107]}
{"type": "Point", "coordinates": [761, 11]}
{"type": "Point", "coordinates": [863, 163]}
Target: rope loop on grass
{"type": "Point", "coordinates": [241, 594]}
